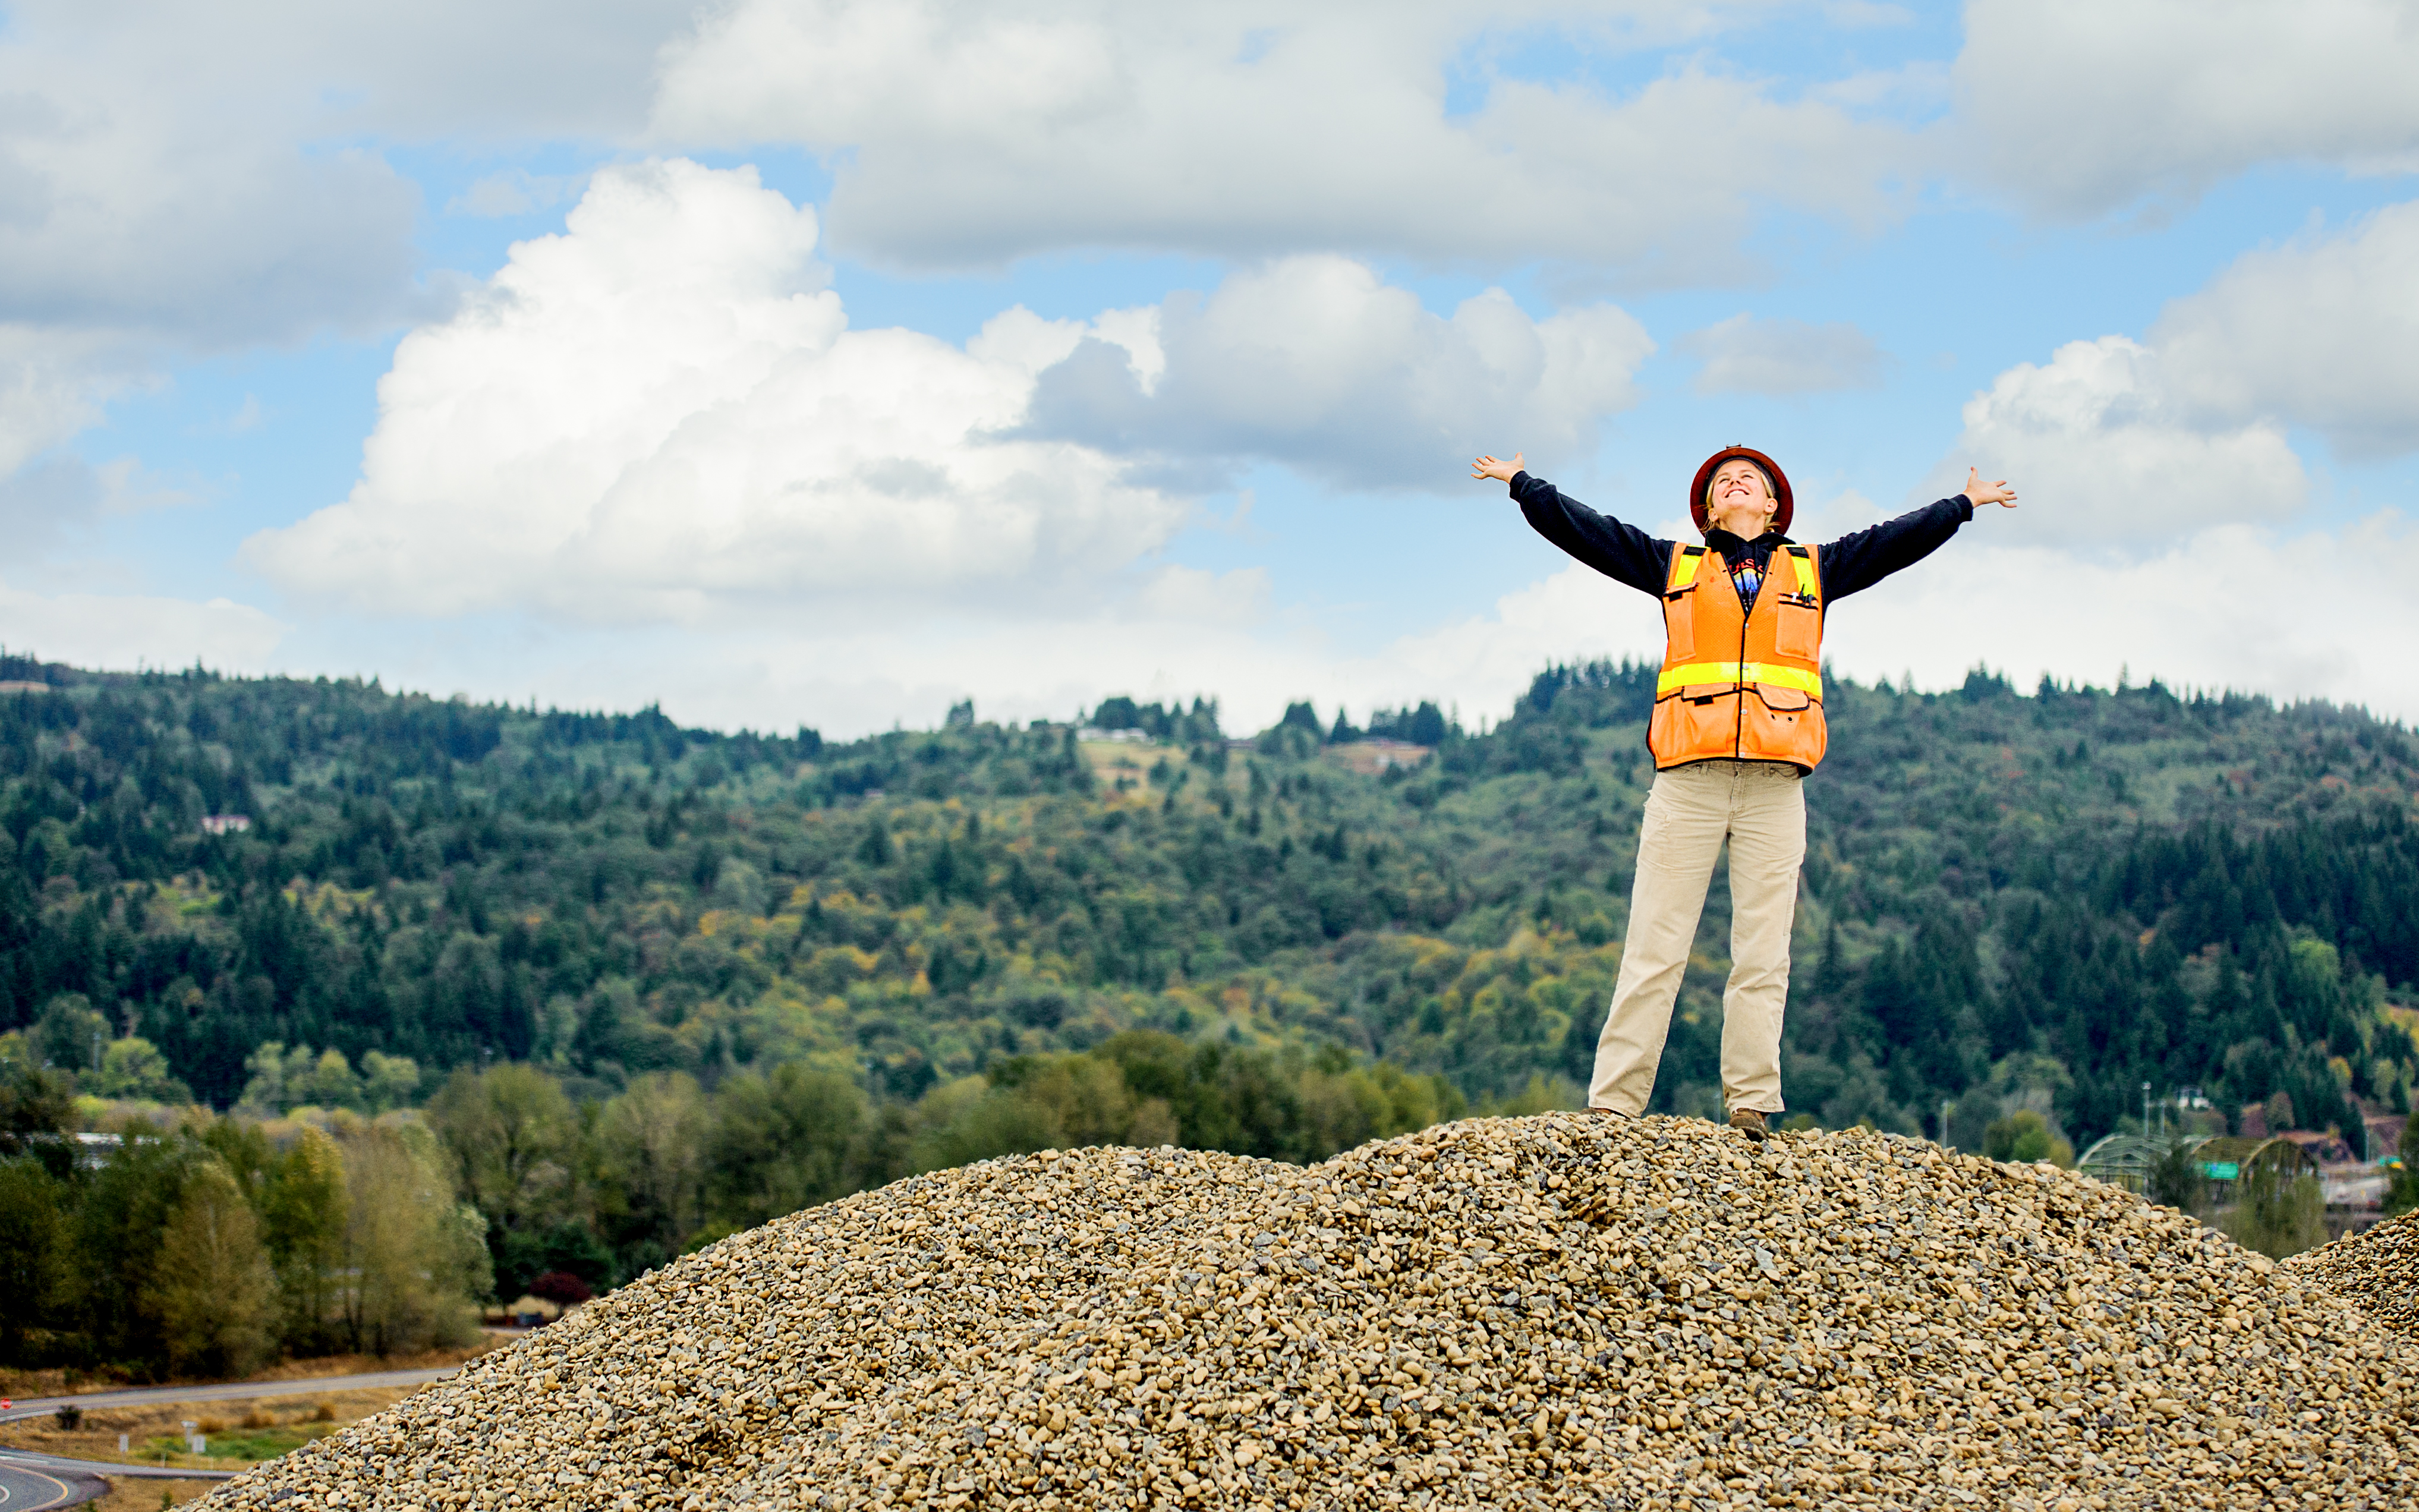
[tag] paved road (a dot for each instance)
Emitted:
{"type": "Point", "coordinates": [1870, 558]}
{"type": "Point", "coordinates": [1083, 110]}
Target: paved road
{"type": "Point", "coordinates": [27, 1489]}
{"type": "Point", "coordinates": [44, 1483]}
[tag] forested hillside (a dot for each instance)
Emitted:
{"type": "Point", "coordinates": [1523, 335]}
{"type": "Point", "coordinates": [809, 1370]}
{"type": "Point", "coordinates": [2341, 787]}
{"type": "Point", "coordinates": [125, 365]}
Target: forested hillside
{"type": "Point", "coordinates": [2043, 899]}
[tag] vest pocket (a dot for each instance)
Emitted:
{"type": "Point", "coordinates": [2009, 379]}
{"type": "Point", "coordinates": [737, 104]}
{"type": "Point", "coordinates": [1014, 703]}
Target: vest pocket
{"type": "Point", "coordinates": [1799, 631]}
{"type": "Point", "coordinates": [1780, 699]}
{"type": "Point", "coordinates": [1797, 734]}
{"type": "Point", "coordinates": [1680, 626]}
{"type": "Point", "coordinates": [1687, 729]}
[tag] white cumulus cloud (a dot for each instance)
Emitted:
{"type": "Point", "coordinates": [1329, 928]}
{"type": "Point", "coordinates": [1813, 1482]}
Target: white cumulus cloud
{"type": "Point", "coordinates": [661, 413]}
{"type": "Point", "coordinates": [2125, 440]}
{"type": "Point", "coordinates": [1317, 362]}
{"type": "Point", "coordinates": [2103, 449]}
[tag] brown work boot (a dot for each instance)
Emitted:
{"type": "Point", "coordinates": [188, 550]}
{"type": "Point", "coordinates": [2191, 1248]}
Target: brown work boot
{"type": "Point", "coordinates": [1749, 1123]}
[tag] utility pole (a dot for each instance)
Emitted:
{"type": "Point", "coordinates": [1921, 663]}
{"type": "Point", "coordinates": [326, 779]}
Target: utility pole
{"type": "Point", "coordinates": [1943, 1124]}
{"type": "Point", "coordinates": [2146, 1110]}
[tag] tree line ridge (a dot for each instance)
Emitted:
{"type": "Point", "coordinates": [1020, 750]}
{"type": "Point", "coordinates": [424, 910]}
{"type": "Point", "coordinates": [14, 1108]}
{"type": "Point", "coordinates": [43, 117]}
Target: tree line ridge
{"type": "Point", "coordinates": [925, 947]}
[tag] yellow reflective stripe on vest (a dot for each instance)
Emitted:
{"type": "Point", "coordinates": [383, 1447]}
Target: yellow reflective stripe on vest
{"type": "Point", "coordinates": [1805, 573]}
{"type": "Point", "coordinates": [1732, 674]}
{"type": "Point", "coordinates": [1684, 567]}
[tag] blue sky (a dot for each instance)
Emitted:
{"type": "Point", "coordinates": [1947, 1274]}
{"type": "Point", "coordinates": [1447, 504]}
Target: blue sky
{"type": "Point", "coordinates": [828, 360]}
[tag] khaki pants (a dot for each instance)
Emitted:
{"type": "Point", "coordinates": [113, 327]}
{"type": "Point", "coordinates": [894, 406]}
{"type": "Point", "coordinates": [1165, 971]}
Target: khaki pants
{"type": "Point", "coordinates": [1760, 809]}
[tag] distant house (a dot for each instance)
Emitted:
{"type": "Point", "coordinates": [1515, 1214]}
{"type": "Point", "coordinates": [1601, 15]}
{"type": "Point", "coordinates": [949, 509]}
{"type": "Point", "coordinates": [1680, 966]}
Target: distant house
{"type": "Point", "coordinates": [90, 1152]}
{"type": "Point", "coordinates": [1370, 758]}
{"type": "Point", "coordinates": [225, 824]}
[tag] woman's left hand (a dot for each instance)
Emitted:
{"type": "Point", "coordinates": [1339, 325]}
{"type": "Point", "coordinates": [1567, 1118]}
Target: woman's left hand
{"type": "Point", "coordinates": [1979, 493]}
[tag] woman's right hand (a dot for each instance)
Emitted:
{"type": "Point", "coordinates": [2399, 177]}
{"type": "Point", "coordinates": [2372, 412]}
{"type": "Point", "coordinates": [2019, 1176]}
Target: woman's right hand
{"type": "Point", "coordinates": [1487, 466]}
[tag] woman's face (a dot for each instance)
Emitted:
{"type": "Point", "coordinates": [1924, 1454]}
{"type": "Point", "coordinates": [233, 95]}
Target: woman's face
{"type": "Point", "coordinates": [1739, 499]}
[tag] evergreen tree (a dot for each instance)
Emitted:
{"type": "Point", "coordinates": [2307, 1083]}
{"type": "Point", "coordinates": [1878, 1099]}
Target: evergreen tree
{"type": "Point", "coordinates": [33, 1253]}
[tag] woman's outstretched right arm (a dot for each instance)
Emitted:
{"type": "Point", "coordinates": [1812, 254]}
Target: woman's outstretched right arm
{"type": "Point", "coordinates": [1621, 552]}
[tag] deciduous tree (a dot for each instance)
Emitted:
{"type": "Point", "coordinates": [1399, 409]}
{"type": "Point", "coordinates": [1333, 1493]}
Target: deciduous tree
{"type": "Point", "coordinates": [211, 1289]}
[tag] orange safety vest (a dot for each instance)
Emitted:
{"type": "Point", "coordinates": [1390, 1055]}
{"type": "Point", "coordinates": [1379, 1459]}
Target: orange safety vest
{"type": "Point", "coordinates": [1740, 684]}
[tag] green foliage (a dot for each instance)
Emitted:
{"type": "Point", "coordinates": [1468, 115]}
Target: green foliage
{"type": "Point", "coordinates": [208, 1250]}
{"type": "Point", "coordinates": [2175, 1179]}
{"type": "Point", "coordinates": [412, 1260]}
{"type": "Point", "coordinates": [119, 1233]}
{"type": "Point", "coordinates": [305, 1206]}
{"type": "Point", "coordinates": [783, 1140]}
{"type": "Point", "coordinates": [134, 1068]}
{"type": "Point", "coordinates": [510, 1139]}
{"type": "Point", "coordinates": [2025, 1136]}
{"type": "Point", "coordinates": [2276, 1214]}
{"type": "Point", "coordinates": [1175, 725]}
{"type": "Point", "coordinates": [210, 1291]}
{"type": "Point", "coordinates": [282, 1079]}
{"type": "Point", "coordinates": [37, 1105]}
{"type": "Point", "coordinates": [32, 1255]}
{"type": "Point", "coordinates": [69, 1034]}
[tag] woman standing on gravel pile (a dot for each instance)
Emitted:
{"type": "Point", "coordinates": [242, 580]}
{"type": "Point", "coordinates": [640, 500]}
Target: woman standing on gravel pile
{"type": "Point", "coordinates": [1737, 723]}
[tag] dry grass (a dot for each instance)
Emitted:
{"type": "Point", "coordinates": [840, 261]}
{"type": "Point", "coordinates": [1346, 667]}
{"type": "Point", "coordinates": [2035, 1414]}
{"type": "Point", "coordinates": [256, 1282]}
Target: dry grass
{"type": "Point", "coordinates": [1129, 762]}
{"type": "Point", "coordinates": [26, 1384]}
{"type": "Point", "coordinates": [155, 1431]}
{"type": "Point", "coordinates": [130, 1495]}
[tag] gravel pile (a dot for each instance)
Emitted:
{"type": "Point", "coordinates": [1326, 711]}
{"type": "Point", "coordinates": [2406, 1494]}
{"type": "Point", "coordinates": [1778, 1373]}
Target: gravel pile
{"type": "Point", "coordinates": [1552, 1311]}
{"type": "Point", "coordinates": [2378, 1270]}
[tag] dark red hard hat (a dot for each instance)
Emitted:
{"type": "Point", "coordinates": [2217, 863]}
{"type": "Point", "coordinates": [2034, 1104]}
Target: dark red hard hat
{"type": "Point", "coordinates": [1771, 470]}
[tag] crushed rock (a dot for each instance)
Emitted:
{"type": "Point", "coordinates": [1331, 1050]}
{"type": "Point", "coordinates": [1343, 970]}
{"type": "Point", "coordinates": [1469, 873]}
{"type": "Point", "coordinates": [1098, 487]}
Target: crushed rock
{"type": "Point", "coordinates": [1550, 1311]}
{"type": "Point", "coordinates": [2377, 1272]}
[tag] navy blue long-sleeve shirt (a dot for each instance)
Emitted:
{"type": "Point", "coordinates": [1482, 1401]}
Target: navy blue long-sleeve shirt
{"type": "Point", "coordinates": [1626, 554]}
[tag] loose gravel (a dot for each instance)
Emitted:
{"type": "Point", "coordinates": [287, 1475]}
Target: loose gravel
{"type": "Point", "coordinates": [2378, 1270]}
{"type": "Point", "coordinates": [1551, 1311]}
